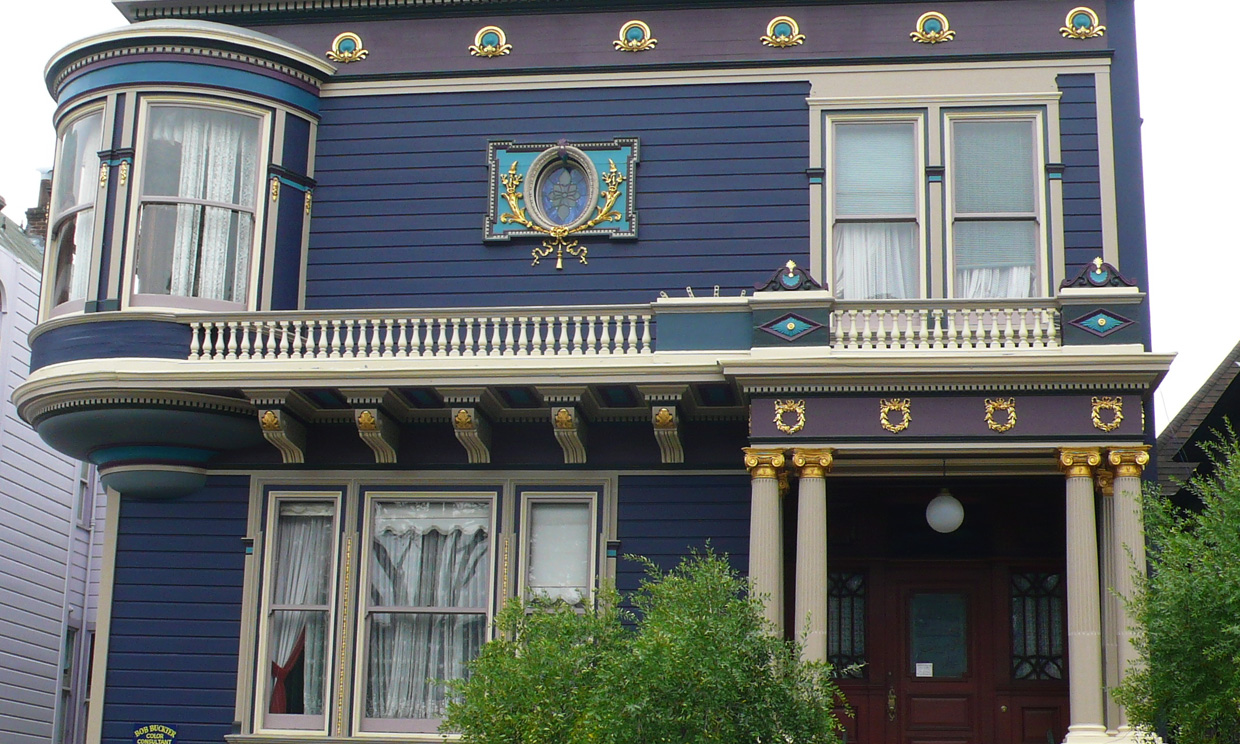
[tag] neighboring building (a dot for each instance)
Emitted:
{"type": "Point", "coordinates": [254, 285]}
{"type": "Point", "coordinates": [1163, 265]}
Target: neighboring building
{"type": "Point", "coordinates": [378, 314]}
{"type": "Point", "coordinates": [1206, 415]}
{"type": "Point", "coordinates": [50, 525]}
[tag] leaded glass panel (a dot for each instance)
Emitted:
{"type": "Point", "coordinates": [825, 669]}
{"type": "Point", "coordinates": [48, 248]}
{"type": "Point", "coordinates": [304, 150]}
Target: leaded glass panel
{"type": "Point", "coordinates": [846, 613]}
{"type": "Point", "coordinates": [1037, 626]}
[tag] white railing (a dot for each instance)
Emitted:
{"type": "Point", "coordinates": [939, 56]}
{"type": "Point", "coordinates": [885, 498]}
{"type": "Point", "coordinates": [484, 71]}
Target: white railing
{"type": "Point", "coordinates": [614, 331]}
{"type": "Point", "coordinates": [944, 324]}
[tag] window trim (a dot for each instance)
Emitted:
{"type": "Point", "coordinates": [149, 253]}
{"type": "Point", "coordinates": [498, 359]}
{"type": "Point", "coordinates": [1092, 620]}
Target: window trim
{"type": "Point", "coordinates": [52, 309]}
{"type": "Point", "coordinates": [1036, 117]}
{"type": "Point", "coordinates": [916, 117]}
{"type": "Point", "coordinates": [266, 116]}
{"type": "Point", "coordinates": [528, 498]}
{"type": "Point", "coordinates": [362, 725]}
{"type": "Point", "coordinates": [263, 720]}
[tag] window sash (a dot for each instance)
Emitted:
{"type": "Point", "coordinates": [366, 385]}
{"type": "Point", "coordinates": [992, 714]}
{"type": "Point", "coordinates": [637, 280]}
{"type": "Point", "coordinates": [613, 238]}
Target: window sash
{"type": "Point", "coordinates": [532, 554]}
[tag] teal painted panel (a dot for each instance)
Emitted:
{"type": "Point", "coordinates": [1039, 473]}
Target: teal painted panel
{"type": "Point", "coordinates": [704, 331]}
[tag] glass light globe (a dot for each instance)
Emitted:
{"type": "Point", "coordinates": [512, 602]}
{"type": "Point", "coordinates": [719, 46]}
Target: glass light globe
{"type": "Point", "coordinates": [945, 513]}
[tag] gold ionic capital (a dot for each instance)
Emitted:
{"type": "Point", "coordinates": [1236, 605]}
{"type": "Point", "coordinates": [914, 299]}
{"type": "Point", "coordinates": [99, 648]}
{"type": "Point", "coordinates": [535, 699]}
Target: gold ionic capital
{"type": "Point", "coordinates": [1129, 462]}
{"type": "Point", "coordinates": [1079, 463]}
{"type": "Point", "coordinates": [763, 463]}
{"type": "Point", "coordinates": [813, 463]}
{"type": "Point", "coordinates": [1106, 482]}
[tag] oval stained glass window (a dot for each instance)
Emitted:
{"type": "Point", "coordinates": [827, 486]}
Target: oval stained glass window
{"type": "Point", "coordinates": [564, 193]}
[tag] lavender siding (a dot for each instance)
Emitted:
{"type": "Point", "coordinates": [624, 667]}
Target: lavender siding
{"type": "Point", "coordinates": [176, 612]}
{"type": "Point", "coordinates": [722, 195]}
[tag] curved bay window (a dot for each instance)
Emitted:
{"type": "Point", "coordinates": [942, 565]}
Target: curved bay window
{"type": "Point", "coordinates": [201, 171]}
{"type": "Point", "coordinates": [73, 204]}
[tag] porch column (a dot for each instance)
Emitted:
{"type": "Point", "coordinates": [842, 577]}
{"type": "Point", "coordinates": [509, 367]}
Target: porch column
{"type": "Point", "coordinates": [766, 545]}
{"type": "Point", "coordinates": [1085, 714]}
{"type": "Point", "coordinates": [1110, 605]}
{"type": "Point", "coordinates": [1127, 549]}
{"type": "Point", "coordinates": [811, 593]}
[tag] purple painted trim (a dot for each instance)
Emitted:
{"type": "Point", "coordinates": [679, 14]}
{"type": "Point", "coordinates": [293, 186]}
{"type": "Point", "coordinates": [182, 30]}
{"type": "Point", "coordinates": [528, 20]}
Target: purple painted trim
{"type": "Point", "coordinates": [197, 59]}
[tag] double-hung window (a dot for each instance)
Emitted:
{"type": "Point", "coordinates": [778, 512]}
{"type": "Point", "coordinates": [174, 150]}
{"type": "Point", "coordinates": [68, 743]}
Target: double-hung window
{"type": "Point", "coordinates": [875, 208]}
{"type": "Point", "coordinates": [372, 598]}
{"type": "Point", "coordinates": [73, 208]}
{"type": "Point", "coordinates": [995, 233]}
{"type": "Point", "coordinates": [198, 203]}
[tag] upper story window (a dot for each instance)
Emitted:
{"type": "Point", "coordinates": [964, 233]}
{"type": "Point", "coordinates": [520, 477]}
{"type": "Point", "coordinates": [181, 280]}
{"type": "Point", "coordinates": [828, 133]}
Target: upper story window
{"type": "Point", "coordinates": [995, 235]}
{"type": "Point", "coordinates": [73, 206]}
{"type": "Point", "coordinates": [876, 249]}
{"type": "Point", "coordinates": [201, 171]}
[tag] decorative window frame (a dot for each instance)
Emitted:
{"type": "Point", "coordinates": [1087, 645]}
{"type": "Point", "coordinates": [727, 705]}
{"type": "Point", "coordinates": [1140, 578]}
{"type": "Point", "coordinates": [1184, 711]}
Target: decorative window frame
{"type": "Point", "coordinates": [914, 116]}
{"type": "Point", "coordinates": [1037, 118]}
{"type": "Point", "coordinates": [354, 492]}
{"type": "Point", "coordinates": [105, 107]}
{"type": "Point", "coordinates": [266, 114]}
{"type": "Point", "coordinates": [530, 158]}
{"type": "Point", "coordinates": [335, 665]}
{"type": "Point", "coordinates": [530, 497]}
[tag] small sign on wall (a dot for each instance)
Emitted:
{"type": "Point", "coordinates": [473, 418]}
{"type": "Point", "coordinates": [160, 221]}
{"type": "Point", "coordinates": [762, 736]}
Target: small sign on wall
{"type": "Point", "coordinates": [924, 669]}
{"type": "Point", "coordinates": [154, 733]}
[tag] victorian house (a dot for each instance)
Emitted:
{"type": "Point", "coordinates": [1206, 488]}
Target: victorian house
{"type": "Point", "coordinates": [377, 314]}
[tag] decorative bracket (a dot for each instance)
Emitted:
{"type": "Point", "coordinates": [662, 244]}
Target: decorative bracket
{"type": "Point", "coordinates": [473, 432]}
{"type": "Point", "coordinates": [666, 420]}
{"type": "Point", "coordinates": [379, 433]}
{"type": "Point", "coordinates": [285, 432]}
{"type": "Point", "coordinates": [570, 432]}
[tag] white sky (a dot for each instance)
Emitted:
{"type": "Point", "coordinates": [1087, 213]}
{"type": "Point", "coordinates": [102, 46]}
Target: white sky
{"type": "Point", "coordinates": [1191, 144]}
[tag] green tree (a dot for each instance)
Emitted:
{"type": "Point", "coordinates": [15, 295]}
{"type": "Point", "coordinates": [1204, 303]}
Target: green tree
{"type": "Point", "coordinates": [1187, 610]}
{"type": "Point", "coordinates": [697, 664]}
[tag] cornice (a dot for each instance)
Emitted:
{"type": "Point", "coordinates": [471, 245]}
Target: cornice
{"type": "Point", "coordinates": [33, 411]}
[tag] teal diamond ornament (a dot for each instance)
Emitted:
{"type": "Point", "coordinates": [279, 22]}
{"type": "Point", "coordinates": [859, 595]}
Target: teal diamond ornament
{"type": "Point", "coordinates": [1101, 323]}
{"type": "Point", "coordinates": [791, 327]}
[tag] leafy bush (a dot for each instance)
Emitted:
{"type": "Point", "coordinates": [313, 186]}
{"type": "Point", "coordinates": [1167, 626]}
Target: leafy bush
{"type": "Point", "coordinates": [697, 664]}
{"type": "Point", "coordinates": [1187, 611]}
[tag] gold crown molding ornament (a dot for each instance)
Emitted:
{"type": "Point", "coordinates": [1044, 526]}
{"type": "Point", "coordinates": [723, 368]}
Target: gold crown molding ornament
{"type": "Point", "coordinates": [275, 188]}
{"type": "Point", "coordinates": [285, 433]}
{"type": "Point", "coordinates": [796, 407]}
{"type": "Point", "coordinates": [309, 201]}
{"type": "Point", "coordinates": [490, 41]}
{"type": "Point", "coordinates": [123, 176]}
{"type": "Point", "coordinates": [379, 433]}
{"type": "Point", "coordinates": [557, 240]}
{"type": "Point", "coordinates": [474, 434]}
{"type": "Point", "coordinates": [764, 463]}
{"type": "Point", "coordinates": [103, 174]}
{"type": "Point", "coordinates": [1106, 482]}
{"type": "Point", "coordinates": [1129, 462]}
{"type": "Point", "coordinates": [666, 422]}
{"type": "Point", "coordinates": [813, 463]}
{"type": "Point", "coordinates": [570, 433]}
{"type": "Point", "coordinates": [932, 28]}
{"type": "Point", "coordinates": [783, 32]}
{"type": "Point", "coordinates": [1107, 403]}
{"type": "Point", "coordinates": [1081, 23]}
{"type": "Point", "coordinates": [1079, 463]}
{"type": "Point", "coordinates": [346, 48]}
{"type": "Point", "coordinates": [635, 37]}
{"type": "Point", "coordinates": [1008, 406]}
{"type": "Point", "coordinates": [899, 405]}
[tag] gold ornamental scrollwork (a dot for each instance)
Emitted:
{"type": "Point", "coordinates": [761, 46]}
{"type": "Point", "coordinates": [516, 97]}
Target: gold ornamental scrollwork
{"type": "Point", "coordinates": [813, 463]}
{"type": "Point", "coordinates": [346, 48]}
{"type": "Point", "coordinates": [1008, 406]}
{"type": "Point", "coordinates": [270, 421]}
{"type": "Point", "coordinates": [895, 405]}
{"type": "Point", "coordinates": [1079, 463]}
{"type": "Point", "coordinates": [932, 28]}
{"type": "Point", "coordinates": [783, 32]}
{"type": "Point", "coordinates": [1129, 462]}
{"type": "Point", "coordinates": [563, 419]}
{"type": "Point", "coordinates": [663, 419]}
{"type": "Point", "coordinates": [558, 241]}
{"type": "Point", "coordinates": [366, 421]}
{"type": "Point", "coordinates": [1107, 403]}
{"type": "Point", "coordinates": [490, 41]}
{"type": "Point", "coordinates": [463, 420]}
{"type": "Point", "coordinates": [1081, 23]}
{"type": "Point", "coordinates": [764, 463]}
{"type": "Point", "coordinates": [796, 407]}
{"type": "Point", "coordinates": [103, 174]}
{"type": "Point", "coordinates": [275, 188]}
{"type": "Point", "coordinates": [635, 37]}
{"type": "Point", "coordinates": [123, 176]}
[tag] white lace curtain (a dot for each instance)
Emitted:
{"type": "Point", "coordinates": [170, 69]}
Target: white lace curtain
{"type": "Point", "coordinates": [76, 176]}
{"type": "Point", "coordinates": [432, 556]}
{"type": "Point", "coordinates": [304, 541]}
{"type": "Point", "coordinates": [218, 162]}
{"type": "Point", "coordinates": [875, 260]}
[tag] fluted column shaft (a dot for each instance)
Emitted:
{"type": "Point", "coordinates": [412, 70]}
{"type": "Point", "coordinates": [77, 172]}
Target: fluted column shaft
{"type": "Point", "coordinates": [766, 549]}
{"type": "Point", "coordinates": [1127, 550]}
{"type": "Point", "coordinates": [1084, 615]}
{"type": "Point", "coordinates": [811, 568]}
{"type": "Point", "coordinates": [1110, 604]}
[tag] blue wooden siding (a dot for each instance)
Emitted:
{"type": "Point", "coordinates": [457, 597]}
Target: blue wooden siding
{"type": "Point", "coordinates": [722, 195]}
{"type": "Point", "coordinates": [176, 612]}
{"type": "Point", "coordinates": [1082, 195]}
{"type": "Point", "coordinates": [664, 517]}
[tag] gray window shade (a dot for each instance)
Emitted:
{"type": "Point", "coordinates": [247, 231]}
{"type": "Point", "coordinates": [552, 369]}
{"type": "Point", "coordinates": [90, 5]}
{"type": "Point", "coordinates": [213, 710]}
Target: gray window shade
{"type": "Point", "coordinates": [995, 244]}
{"type": "Point", "coordinates": [875, 169]}
{"type": "Point", "coordinates": [993, 166]}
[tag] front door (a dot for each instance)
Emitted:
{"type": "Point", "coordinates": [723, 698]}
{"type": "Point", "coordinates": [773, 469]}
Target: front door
{"type": "Point", "coordinates": [939, 683]}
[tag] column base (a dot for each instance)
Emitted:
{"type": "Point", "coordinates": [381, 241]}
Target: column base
{"type": "Point", "coordinates": [1087, 734]}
